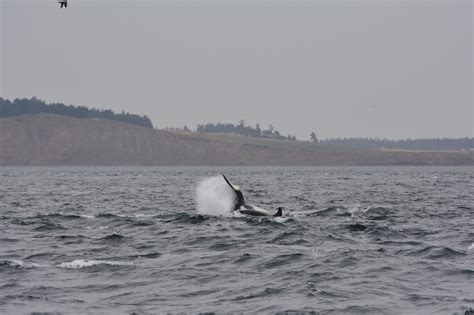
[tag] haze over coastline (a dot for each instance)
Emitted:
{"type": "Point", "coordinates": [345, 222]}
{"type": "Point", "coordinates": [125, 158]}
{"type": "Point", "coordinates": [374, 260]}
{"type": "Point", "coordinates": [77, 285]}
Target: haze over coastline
{"type": "Point", "coordinates": [341, 69]}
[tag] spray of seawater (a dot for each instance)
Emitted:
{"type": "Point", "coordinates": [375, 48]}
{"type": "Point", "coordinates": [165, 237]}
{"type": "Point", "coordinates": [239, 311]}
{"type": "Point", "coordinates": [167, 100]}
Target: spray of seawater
{"type": "Point", "coordinates": [214, 197]}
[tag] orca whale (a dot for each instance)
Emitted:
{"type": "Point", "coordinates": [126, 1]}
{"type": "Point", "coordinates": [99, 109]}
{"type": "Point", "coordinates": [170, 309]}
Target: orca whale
{"type": "Point", "coordinates": [241, 206]}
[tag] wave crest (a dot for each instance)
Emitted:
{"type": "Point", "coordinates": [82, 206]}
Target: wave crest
{"type": "Point", "coordinates": [80, 263]}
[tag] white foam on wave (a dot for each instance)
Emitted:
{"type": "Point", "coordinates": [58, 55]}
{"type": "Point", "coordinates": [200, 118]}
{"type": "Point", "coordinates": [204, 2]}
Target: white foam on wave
{"type": "Point", "coordinates": [100, 227]}
{"type": "Point", "coordinates": [23, 264]}
{"type": "Point", "coordinates": [214, 197]}
{"type": "Point", "coordinates": [140, 215]}
{"type": "Point", "coordinates": [86, 216]}
{"type": "Point", "coordinates": [237, 214]}
{"type": "Point", "coordinates": [355, 209]}
{"type": "Point", "coordinates": [471, 248]}
{"type": "Point", "coordinates": [80, 263]}
{"type": "Point", "coordinates": [281, 219]}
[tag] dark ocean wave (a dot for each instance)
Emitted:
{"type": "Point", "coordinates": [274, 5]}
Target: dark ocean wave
{"type": "Point", "coordinates": [282, 260]}
{"type": "Point", "coordinates": [47, 225]}
{"type": "Point", "coordinates": [433, 252]}
{"type": "Point", "coordinates": [107, 216]}
{"type": "Point", "coordinates": [356, 227]}
{"type": "Point", "coordinates": [72, 239]}
{"type": "Point", "coordinates": [378, 213]}
{"type": "Point", "coordinates": [111, 238]}
{"type": "Point", "coordinates": [58, 215]}
{"type": "Point", "coordinates": [289, 238]}
{"type": "Point", "coordinates": [260, 294]}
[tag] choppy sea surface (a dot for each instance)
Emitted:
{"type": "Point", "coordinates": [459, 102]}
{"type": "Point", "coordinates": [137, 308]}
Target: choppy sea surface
{"type": "Point", "coordinates": [381, 240]}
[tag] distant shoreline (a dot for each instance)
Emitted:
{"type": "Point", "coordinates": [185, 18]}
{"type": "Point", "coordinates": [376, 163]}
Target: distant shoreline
{"type": "Point", "coordinates": [55, 140]}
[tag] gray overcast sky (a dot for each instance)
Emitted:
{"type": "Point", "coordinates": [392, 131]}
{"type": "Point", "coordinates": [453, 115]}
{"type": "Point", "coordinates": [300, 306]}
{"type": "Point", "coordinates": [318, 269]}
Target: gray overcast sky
{"type": "Point", "coordinates": [354, 68]}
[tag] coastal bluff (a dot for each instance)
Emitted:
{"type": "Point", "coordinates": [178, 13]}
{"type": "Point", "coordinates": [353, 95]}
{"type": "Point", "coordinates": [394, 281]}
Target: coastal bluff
{"type": "Point", "coordinates": [56, 140]}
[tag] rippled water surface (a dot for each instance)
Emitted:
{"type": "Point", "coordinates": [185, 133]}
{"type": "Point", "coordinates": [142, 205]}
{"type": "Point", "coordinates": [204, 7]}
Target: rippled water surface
{"type": "Point", "coordinates": [355, 240]}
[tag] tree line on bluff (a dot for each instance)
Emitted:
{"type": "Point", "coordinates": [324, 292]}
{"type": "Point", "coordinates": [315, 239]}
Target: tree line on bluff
{"type": "Point", "coordinates": [240, 129]}
{"type": "Point", "coordinates": [36, 106]}
{"type": "Point", "coordinates": [244, 130]}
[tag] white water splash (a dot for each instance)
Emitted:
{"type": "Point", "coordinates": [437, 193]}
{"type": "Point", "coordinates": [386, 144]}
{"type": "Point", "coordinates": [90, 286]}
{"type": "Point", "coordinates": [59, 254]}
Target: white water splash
{"type": "Point", "coordinates": [80, 263]}
{"type": "Point", "coordinates": [214, 197]}
{"type": "Point", "coordinates": [471, 248]}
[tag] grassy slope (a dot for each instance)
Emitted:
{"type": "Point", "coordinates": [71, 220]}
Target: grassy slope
{"type": "Point", "coordinates": [282, 144]}
{"type": "Point", "coordinates": [337, 155]}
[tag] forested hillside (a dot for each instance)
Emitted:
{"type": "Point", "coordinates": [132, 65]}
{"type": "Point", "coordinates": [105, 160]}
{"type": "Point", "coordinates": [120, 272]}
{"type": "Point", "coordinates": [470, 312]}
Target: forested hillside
{"type": "Point", "coordinates": [36, 106]}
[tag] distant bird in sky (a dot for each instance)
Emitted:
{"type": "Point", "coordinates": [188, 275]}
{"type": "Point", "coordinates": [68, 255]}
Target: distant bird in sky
{"type": "Point", "coordinates": [63, 3]}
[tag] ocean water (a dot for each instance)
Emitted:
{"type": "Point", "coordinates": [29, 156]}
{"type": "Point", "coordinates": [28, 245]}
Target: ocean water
{"type": "Point", "coordinates": [368, 240]}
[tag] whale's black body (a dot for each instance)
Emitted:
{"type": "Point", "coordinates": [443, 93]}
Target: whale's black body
{"type": "Point", "coordinates": [241, 206]}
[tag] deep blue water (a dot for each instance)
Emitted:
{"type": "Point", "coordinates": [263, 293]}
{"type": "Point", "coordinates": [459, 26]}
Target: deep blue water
{"type": "Point", "coordinates": [381, 240]}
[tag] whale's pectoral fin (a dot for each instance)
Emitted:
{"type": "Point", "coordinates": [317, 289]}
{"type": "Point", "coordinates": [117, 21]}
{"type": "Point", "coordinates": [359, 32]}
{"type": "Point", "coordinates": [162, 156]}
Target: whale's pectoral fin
{"type": "Point", "coordinates": [279, 212]}
{"type": "Point", "coordinates": [239, 197]}
{"type": "Point", "coordinates": [227, 181]}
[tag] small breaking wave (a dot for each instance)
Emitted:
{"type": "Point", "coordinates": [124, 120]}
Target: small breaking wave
{"type": "Point", "coordinates": [80, 263]}
{"type": "Point", "coordinates": [17, 263]}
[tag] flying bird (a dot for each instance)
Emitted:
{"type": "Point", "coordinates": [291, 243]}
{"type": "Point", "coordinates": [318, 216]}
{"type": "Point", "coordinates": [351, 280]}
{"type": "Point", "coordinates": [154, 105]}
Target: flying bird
{"type": "Point", "coordinates": [63, 3]}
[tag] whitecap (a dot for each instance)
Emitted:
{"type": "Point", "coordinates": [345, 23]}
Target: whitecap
{"type": "Point", "coordinates": [471, 248]}
{"type": "Point", "coordinates": [281, 219]}
{"type": "Point", "coordinates": [23, 264]}
{"type": "Point", "coordinates": [237, 214]}
{"type": "Point", "coordinates": [86, 216]}
{"type": "Point", "coordinates": [353, 210]}
{"type": "Point", "coordinates": [80, 263]}
{"type": "Point", "coordinates": [100, 227]}
{"type": "Point", "coordinates": [139, 215]}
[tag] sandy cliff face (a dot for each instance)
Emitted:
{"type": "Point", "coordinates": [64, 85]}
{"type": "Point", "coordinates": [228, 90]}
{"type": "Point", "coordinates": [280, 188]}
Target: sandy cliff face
{"type": "Point", "coordinates": [59, 140]}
